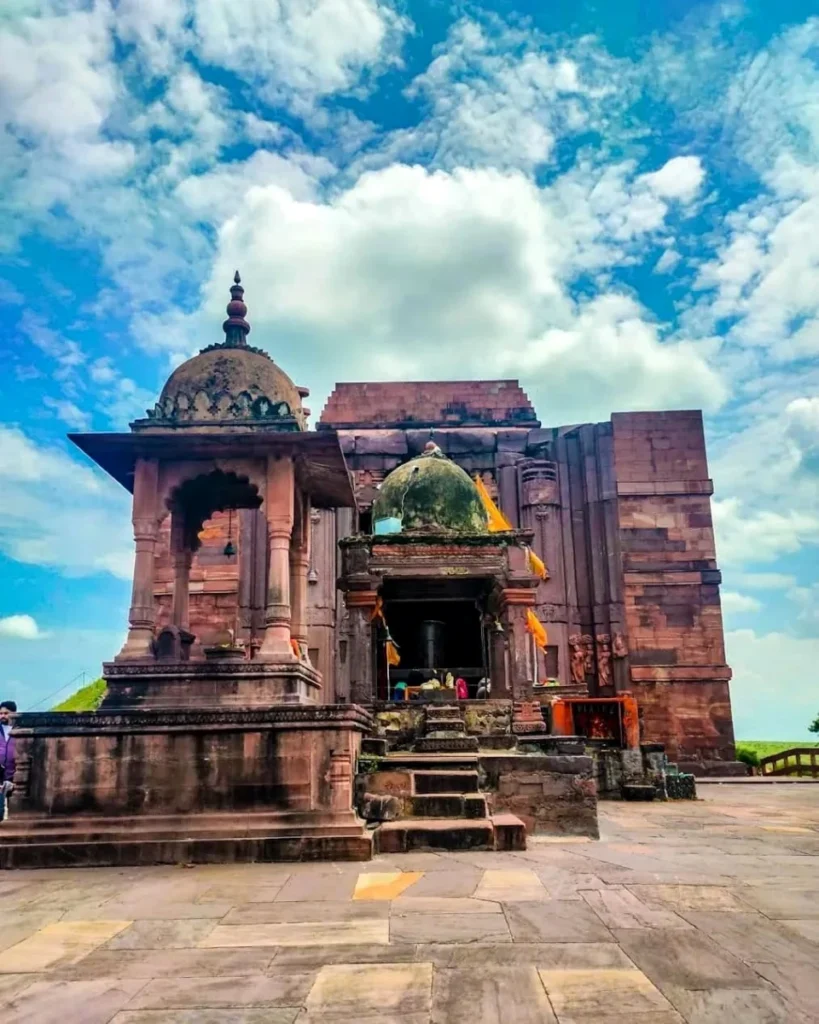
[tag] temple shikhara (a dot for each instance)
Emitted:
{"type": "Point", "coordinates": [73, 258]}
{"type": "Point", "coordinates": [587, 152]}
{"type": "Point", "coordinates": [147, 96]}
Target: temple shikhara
{"type": "Point", "coordinates": [428, 622]}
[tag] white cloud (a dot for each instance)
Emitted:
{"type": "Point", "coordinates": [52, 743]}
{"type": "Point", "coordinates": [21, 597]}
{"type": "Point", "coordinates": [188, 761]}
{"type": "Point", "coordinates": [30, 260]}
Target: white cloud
{"type": "Point", "coordinates": [667, 262]}
{"type": "Point", "coordinates": [20, 627]}
{"type": "Point", "coordinates": [289, 46]}
{"type": "Point", "coordinates": [773, 692]}
{"type": "Point", "coordinates": [68, 412]}
{"type": "Point", "coordinates": [763, 580]}
{"type": "Point", "coordinates": [503, 97]}
{"type": "Point", "coordinates": [57, 512]}
{"type": "Point", "coordinates": [437, 275]}
{"type": "Point", "coordinates": [803, 429]}
{"type": "Point", "coordinates": [738, 604]}
{"type": "Point", "coordinates": [681, 179]}
{"type": "Point", "coordinates": [746, 538]}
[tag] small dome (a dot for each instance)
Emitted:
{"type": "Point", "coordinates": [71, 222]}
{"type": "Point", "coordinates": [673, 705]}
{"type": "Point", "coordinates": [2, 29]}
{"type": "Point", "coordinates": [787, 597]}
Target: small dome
{"type": "Point", "coordinates": [222, 384]}
{"type": "Point", "coordinates": [230, 384]}
{"type": "Point", "coordinates": [431, 494]}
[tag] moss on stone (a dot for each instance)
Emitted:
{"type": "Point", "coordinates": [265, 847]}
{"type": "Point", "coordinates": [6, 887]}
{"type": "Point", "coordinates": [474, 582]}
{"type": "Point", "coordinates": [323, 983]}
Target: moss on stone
{"type": "Point", "coordinates": [431, 494]}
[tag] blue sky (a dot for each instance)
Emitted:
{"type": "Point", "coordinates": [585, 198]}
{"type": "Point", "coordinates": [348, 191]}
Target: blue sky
{"type": "Point", "coordinates": [616, 203]}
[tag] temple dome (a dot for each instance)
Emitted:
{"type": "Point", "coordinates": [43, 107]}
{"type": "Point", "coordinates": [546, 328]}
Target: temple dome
{"type": "Point", "coordinates": [431, 494]}
{"type": "Point", "coordinates": [224, 383]}
{"type": "Point", "coordinates": [230, 384]}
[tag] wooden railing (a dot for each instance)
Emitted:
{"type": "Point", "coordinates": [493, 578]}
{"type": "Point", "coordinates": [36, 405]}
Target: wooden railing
{"type": "Point", "coordinates": [802, 761]}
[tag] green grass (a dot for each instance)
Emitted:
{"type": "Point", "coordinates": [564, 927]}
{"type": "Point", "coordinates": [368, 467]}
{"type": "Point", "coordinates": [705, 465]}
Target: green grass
{"type": "Point", "coordinates": [88, 698]}
{"type": "Point", "coordinates": [765, 748]}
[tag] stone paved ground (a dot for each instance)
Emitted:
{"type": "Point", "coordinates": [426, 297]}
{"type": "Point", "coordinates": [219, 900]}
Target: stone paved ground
{"type": "Point", "coordinates": [706, 913]}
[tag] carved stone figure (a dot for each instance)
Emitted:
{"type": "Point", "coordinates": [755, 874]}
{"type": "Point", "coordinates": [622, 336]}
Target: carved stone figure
{"type": "Point", "coordinates": [588, 653]}
{"type": "Point", "coordinates": [619, 647]}
{"type": "Point", "coordinates": [604, 659]}
{"type": "Point", "coordinates": [578, 659]}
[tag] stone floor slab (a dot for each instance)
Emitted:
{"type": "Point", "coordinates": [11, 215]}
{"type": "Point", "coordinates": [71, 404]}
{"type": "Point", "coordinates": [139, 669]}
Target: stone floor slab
{"type": "Point", "coordinates": [723, 1005]}
{"type": "Point", "coordinates": [753, 937]}
{"type": "Point", "coordinates": [491, 995]}
{"type": "Point", "coordinates": [301, 888]}
{"type": "Point", "coordinates": [689, 897]}
{"type": "Point", "coordinates": [619, 908]}
{"type": "Point", "coordinates": [346, 992]}
{"type": "Point", "coordinates": [326, 933]}
{"type": "Point", "coordinates": [442, 905]}
{"type": "Point", "coordinates": [687, 959]}
{"type": "Point", "coordinates": [317, 956]}
{"type": "Point", "coordinates": [178, 963]}
{"type": "Point", "coordinates": [303, 913]}
{"type": "Point", "coordinates": [384, 885]}
{"type": "Point", "coordinates": [808, 929]}
{"type": "Point", "coordinates": [462, 928]}
{"type": "Point", "coordinates": [60, 1002]}
{"type": "Point", "coordinates": [548, 955]}
{"type": "Point", "coordinates": [798, 983]}
{"type": "Point", "coordinates": [449, 884]}
{"type": "Point", "coordinates": [595, 993]}
{"type": "Point", "coordinates": [249, 1015]}
{"type": "Point", "coordinates": [288, 989]}
{"type": "Point", "coordinates": [779, 903]}
{"type": "Point", "coordinates": [59, 943]}
{"type": "Point", "coordinates": [162, 934]}
{"type": "Point", "coordinates": [518, 885]}
{"type": "Point", "coordinates": [555, 922]}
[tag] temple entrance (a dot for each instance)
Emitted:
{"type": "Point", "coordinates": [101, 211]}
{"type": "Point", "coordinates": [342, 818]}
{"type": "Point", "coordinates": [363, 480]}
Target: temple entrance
{"type": "Point", "coordinates": [438, 625]}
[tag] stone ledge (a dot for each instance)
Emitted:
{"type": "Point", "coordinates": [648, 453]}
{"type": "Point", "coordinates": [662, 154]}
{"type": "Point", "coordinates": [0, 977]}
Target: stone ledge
{"type": "Point", "coordinates": [68, 723]}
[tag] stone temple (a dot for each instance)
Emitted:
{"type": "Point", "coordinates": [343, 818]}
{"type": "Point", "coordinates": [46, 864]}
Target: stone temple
{"type": "Point", "coordinates": [299, 593]}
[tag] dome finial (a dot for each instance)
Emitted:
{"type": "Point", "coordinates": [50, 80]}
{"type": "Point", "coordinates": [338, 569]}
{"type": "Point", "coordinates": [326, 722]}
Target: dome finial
{"type": "Point", "coordinates": [236, 328]}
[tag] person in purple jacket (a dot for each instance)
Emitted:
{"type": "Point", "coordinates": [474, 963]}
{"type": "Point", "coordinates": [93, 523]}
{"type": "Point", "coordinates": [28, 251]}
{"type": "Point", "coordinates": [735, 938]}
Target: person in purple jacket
{"type": "Point", "coordinates": [8, 762]}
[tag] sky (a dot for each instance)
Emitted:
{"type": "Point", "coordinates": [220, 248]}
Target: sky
{"type": "Point", "coordinates": [616, 203]}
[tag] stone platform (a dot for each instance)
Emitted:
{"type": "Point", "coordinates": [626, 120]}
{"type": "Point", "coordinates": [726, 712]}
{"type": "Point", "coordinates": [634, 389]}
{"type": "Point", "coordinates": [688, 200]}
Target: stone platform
{"type": "Point", "coordinates": [186, 786]}
{"type": "Point", "coordinates": [235, 683]}
{"type": "Point", "coordinates": [695, 913]}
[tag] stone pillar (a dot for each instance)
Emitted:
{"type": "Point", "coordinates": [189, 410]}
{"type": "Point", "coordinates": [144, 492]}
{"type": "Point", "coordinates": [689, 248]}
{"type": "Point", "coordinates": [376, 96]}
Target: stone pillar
{"type": "Point", "coordinates": [279, 515]}
{"type": "Point", "coordinates": [299, 567]}
{"type": "Point", "coordinates": [520, 671]}
{"type": "Point", "coordinates": [182, 557]}
{"type": "Point", "coordinates": [142, 614]}
{"type": "Point", "coordinates": [361, 604]}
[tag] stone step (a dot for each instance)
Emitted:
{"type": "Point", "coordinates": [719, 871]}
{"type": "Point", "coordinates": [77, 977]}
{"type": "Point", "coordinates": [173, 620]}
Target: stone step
{"type": "Point", "coordinates": [135, 848]}
{"type": "Point", "coordinates": [410, 759]}
{"type": "Point", "coordinates": [502, 832]}
{"type": "Point", "coordinates": [429, 782]}
{"type": "Point", "coordinates": [448, 805]}
{"type": "Point", "coordinates": [447, 744]}
{"type": "Point", "coordinates": [448, 711]}
{"type": "Point", "coordinates": [447, 725]}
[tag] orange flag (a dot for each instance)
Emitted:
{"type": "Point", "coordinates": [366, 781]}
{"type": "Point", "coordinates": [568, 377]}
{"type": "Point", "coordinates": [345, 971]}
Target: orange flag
{"type": "Point", "coordinates": [537, 629]}
{"type": "Point", "coordinates": [498, 523]}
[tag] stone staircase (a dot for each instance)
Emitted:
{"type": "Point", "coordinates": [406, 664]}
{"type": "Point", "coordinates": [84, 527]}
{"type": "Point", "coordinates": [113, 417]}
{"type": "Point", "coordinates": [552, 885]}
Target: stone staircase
{"type": "Point", "coordinates": [445, 810]}
{"type": "Point", "coordinates": [445, 731]}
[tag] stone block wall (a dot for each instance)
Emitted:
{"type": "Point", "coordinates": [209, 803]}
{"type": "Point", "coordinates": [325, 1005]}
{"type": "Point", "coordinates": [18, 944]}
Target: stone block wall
{"type": "Point", "coordinates": [671, 584]}
{"type": "Point", "coordinates": [287, 760]}
{"type": "Point", "coordinates": [551, 794]}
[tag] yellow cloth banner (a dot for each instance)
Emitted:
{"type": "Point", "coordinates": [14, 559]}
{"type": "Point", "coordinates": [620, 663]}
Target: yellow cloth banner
{"type": "Point", "coordinates": [537, 565]}
{"type": "Point", "coordinates": [393, 657]}
{"type": "Point", "coordinates": [537, 629]}
{"type": "Point", "coordinates": [498, 523]}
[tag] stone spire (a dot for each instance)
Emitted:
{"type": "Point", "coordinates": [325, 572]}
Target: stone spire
{"type": "Point", "coordinates": [236, 328]}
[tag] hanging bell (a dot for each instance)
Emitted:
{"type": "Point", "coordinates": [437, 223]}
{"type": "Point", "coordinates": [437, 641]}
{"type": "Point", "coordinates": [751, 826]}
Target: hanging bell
{"type": "Point", "coordinates": [229, 549]}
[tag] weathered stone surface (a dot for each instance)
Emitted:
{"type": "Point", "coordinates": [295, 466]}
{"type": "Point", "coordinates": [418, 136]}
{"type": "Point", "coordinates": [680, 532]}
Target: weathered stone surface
{"type": "Point", "coordinates": [489, 927]}
{"type": "Point", "coordinates": [555, 921]}
{"type": "Point", "coordinates": [289, 989]}
{"type": "Point", "coordinates": [490, 995]}
{"type": "Point", "coordinates": [352, 991]}
{"type": "Point", "coordinates": [55, 1002]}
{"type": "Point", "coordinates": [326, 933]}
{"type": "Point", "coordinates": [598, 994]}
